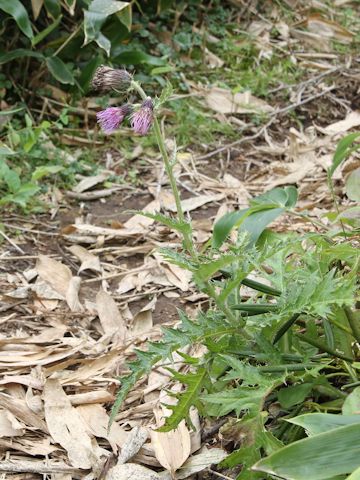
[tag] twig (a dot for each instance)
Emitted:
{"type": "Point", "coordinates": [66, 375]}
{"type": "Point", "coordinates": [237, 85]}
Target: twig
{"type": "Point", "coordinates": [39, 467]}
{"type": "Point", "coordinates": [263, 128]}
{"type": "Point", "coordinates": [29, 230]}
{"type": "Point", "coordinates": [20, 250]}
{"type": "Point", "coordinates": [237, 142]}
{"type": "Point", "coordinates": [96, 194]}
{"type": "Point", "coordinates": [220, 475]}
{"type": "Point", "coordinates": [306, 82]}
{"type": "Point", "coordinates": [302, 102]}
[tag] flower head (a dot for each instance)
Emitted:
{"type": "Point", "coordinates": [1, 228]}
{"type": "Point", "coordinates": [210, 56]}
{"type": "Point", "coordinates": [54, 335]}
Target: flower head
{"type": "Point", "coordinates": [111, 118]}
{"type": "Point", "coordinates": [142, 120]}
{"type": "Point", "coordinates": [107, 79]}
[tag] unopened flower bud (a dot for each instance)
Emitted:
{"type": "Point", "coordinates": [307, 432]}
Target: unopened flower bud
{"type": "Point", "coordinates": [107, 79]}
{"type": "Point", "coordinates": [142, 120]}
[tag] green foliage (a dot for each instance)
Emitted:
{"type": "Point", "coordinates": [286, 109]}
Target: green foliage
{"type": "Point", "coordinates": [281, 344]}
{"type": "Point", "coordinates": [27, 158]}
{"type": "Point", "coordinates": [263, 210]}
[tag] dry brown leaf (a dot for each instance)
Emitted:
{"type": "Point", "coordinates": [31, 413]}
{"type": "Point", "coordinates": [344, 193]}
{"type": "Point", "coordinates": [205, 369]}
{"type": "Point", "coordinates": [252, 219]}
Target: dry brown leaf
{"type": "Point", "coordinates": [197, 463]}
{"type": "Point", "coordinates": [72, 295]}
{"type": "Point", "coordinates": [135, 440]}
{"type": "Point", "coordinates": [140, 224]}
{"type": "Point", "coordinates": [352, 120]}
{"type": "Point", "coordinates": [142, 321]}
{"type": "Point", "coordinates": [36, 6]}
{"type": "Point", "coordinates": [88, 260]}
{"type": "Point", "coordinates": [213, 60]}
{"type": "Point", "coordinates": [224, 101]}
{"type": "Point", "coordinates": [56, 274]}
{"type": "Point", "coordinates": [22, 412]}
{"type": "Point", "coordinates": [195, 202]}
{"type": "Point", "coordinates": [110, 318]}
{"type": "Point", "coordinates": [302, 168]}
{"type": "Point", "coordinates": [97, 422]}
{"type": "Point", "coordinates": [172, 448]}
{"type": "Point", "coordinates": [9, 425]}
{"type": "Point", "coordinates": [131, 471]}
{"type": "Point", "coordinates": [66, 427]}
{"type": "Point", "coordinates": [90, 182]}
{"type": "Point", "coordinates": [320, 25]}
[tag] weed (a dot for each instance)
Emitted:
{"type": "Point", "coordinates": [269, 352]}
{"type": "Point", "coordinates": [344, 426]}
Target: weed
{"type": "Point", "coordinates": [299, 327]}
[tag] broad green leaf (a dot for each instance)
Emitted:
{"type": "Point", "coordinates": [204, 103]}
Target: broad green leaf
{"type": "Point", "coordinates": [59, 70]}
{"type": "Point", "coordinates": [53, 8]}
{"type": "Point", "coordinates": [19, 53]}
{"type": "Point", "coordinates": [315, 423]}
{"type": "Point", "coordinates": [125, 17]}
{"type": "Point", "coordinates": [352, 186]}
{"type": "Point", "coordinates": [161, 70]}
{"type": "Point", "coordinates": [9, 177]}
{"type": "Point", "coordinates": [343, 150]}
{"type": "Point", "coordinates": [351, 404]}
{"type": "Point", "coordinates": [21, 196]}
{"type": "Point", "coordinates": [17, 10]}
{"type": "Point", "coordinates": [355, 475]}
{"type": "Point", "coordinates": [44, 170]}
{"type": "Point", "coordinates": [281, 197]}
{"type": "Point", "coordinates": [137, 57]}
{"type": "Point", "coordinates": [251, 220]}
{"type": "Point", "coordinates": [293, 395]}
{"type": "Point", "coordinates": [44, 33]}
{"type": "Point", "coordinates": [95, 17]}
{"type": "Point", "coordinates": [263, 210]}
{"type": "Point", "coordinates": [318, 457]}
{"type": "Point", "coordinates": [256, 222]}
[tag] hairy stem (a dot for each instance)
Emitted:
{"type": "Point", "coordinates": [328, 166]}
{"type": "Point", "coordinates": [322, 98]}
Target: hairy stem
{"type": "Point", "coordinates": [188, 240]}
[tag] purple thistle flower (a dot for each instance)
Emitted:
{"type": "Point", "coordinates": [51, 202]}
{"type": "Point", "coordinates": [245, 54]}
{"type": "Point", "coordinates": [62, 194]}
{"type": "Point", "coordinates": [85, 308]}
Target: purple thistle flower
{"type": "Point", "coordinates": [111, 118]}
{"type": "Point", "coordinates": [142, 120]}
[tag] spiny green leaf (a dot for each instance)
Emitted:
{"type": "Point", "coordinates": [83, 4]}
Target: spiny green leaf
{"type": "Point", "coordinates": [165, 94]}
{"type": "Point", "coordinates": [173, 223]}
{"type": "Point", "coordinates": [190, 397]}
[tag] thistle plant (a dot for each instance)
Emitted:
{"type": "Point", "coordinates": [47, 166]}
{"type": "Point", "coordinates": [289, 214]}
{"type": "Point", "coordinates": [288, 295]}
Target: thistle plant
{"type": "Point", "coordinates": [298, 324]}
{"type": "Point", "coordinates": [143, 117]}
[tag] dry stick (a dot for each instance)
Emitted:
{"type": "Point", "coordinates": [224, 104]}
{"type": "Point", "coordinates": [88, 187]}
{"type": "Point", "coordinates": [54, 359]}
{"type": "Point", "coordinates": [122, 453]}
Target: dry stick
{"type": "Point", "coordinates": [302, 102]}
{"type": "Point", "coordinates": [29, 230]}
{"type": "Point", "coordinates": [306, 82]}
{"type": "Point", "coordinates": [39, 467]}
{"type": "Point", "coordinates": [237, 142]}
{"type": "Point", "coordinates": [20, 250]}
{"type": "Point", "coordinates": [262, 129]}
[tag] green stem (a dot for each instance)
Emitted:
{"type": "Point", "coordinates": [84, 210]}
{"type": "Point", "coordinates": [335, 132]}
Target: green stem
{"type": "Point", "coordinates": [189, 245]}
{"type": "Point", "coordinates": [188, 240]}
{"type": "Point", "coordinates": [353, 322]}
{"type": "Point", "coordinates": [323, 347]}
